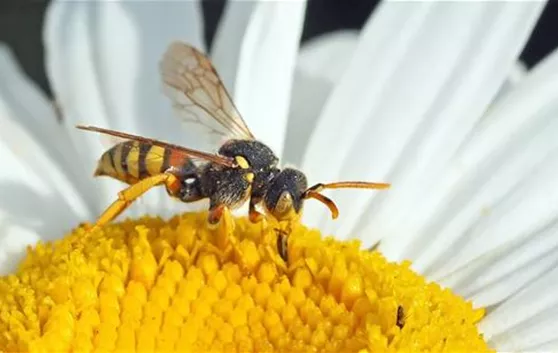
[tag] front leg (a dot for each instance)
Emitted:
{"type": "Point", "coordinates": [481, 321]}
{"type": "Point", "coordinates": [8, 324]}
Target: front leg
{"type": "Point", "coordinates": [254, 215]}
{"type": "Point", "coordinates": [283, 244]}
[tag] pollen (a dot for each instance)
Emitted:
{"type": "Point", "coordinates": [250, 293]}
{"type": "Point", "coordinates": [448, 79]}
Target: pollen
{"type": "Point", "coordinates": [161, 286]}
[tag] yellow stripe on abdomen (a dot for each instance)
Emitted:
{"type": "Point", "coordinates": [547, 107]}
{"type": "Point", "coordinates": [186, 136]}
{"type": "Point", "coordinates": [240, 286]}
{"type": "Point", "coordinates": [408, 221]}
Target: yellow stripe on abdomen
{"type": "Point", "coordinates": [154, 160]}
{"type": "Point", "coordinates": [132, 160]}
{"type": "Point", "coordinates": [105, 167]}
{"type": "Point", "coordinates": [121, 172]}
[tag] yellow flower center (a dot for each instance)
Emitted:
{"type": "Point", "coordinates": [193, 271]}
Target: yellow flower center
{"type": "Point", "coordinates": [154, 285]}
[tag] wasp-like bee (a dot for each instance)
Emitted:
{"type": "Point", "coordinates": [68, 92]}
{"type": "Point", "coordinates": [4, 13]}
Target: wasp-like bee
{"type": "Point", "coordinates": [242, 169]}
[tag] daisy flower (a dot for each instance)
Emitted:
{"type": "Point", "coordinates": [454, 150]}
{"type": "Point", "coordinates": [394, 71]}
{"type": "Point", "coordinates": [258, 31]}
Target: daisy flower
{"type": "Point", "coordinates": [426, 96]}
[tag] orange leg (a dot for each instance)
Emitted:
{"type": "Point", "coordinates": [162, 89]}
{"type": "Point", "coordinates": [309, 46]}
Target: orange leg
{"type": "Point", "coordinates": [253, 214]}
{"type": "Point", "coordinates": [215, 215]}
{"type": "Point", "coordinates": [221, 224]}
{"type": "Point", "coordinates": [127, 196]}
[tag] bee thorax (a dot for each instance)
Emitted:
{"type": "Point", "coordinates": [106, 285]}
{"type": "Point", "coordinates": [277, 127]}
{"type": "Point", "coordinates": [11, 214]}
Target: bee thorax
{"type": "Point", "coordinates": [225, 186]}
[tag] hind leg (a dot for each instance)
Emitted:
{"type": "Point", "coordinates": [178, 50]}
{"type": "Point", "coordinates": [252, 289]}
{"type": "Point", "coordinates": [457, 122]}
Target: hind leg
{"type": "Point", "coordinates": [253, 214]}
{"type": "Point", "coordinates": [127, 196]}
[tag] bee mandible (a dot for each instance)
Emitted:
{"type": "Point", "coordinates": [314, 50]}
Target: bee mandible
{"type": "Point", "coordinates": [243, 169]}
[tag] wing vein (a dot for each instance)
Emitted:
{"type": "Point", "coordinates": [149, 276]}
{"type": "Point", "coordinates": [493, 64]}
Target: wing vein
{"type": "Point", "coordinates": [195, 88]}
{"type": "Point", "coordinates": [177, 148]}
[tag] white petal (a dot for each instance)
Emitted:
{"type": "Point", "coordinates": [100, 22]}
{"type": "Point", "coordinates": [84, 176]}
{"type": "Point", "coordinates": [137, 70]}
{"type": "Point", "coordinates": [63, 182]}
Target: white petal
{"type": "Point", "coordinates": [411, 102]}
{"type": "Point", "coordinates": [328, 55]}
{"type": "Point", "coordinates": [321, 63]}
{"type": "Point", "coordinates": [130, 40]}
{"type": "Point", "coordinates": [34, 113]}
{"type": "Point", "coordinates": [526, 321]}
{"type": "Point", "coordinates": [103, 61]}
{"type": "Point", "coordinates": [34, 192]}
{"type": "Point", "coordinates": [13, 242]}
{"type": "Point", "coordinates": [549, 346]}
{"type": "Point", "coordinates": [267, 62]}
{"type": "Point", "coordinates": [507, 190]}
{"type": "Point", "coordinates": [36, 189]}
{"type": "Point", "coordinates": [513, 245]}
{"type": "Point", "coordinates": [515, 76]}
{"type": "Point", "coordinates": [420, 177]}
{"type": "Point", "coordinates": [74, 79]}
{"type": "Point", "coordinates": [227, 43]}
{"type": "Point", "coordinates": [525, 262]}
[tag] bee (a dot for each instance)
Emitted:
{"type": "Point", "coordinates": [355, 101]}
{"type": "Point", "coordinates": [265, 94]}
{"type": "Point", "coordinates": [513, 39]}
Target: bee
{"type": "Point", "coordinates": [243, 168]}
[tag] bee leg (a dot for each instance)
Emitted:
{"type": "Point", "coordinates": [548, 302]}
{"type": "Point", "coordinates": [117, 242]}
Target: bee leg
{"type": "Point", "coordinates": [215, 214]}
{"type": "Point", "coordinates": [222, 224]}
{"type": "Point", "coordinates": [282, 245]}
{"type": "Point", "coordinates": [275, 258]}
{"type": "Point", "coordinates": [279, 255]}
{"type": "Point", "coordinates": [254, 215]}
{"type": "Point", "coordinates": [127, 196]}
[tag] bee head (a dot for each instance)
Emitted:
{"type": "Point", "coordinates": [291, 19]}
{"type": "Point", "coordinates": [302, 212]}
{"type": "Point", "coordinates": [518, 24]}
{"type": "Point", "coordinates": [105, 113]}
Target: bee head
{"type": "Point", "coordinates": [285, 194]}
{"type": "Point", "coordinates": [289, 189]}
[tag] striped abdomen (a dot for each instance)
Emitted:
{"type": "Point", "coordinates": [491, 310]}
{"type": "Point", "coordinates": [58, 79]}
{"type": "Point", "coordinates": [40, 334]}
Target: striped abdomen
{"type": "Point", "coordinates": [131, 161]}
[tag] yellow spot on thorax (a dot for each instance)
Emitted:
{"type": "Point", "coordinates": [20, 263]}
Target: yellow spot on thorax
{"type": "Point", "coordinates": [249, 177]}
{"type": "Point", "coordinates": [132, 159]}
{"type": "Point", "coordinates": [242, 162]}
{"type": "Point", "coordinates": [153, 285]}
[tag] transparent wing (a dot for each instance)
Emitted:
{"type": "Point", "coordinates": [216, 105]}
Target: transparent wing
{"type": "Point", "coordinates": [109, 141]}
{"type": "Point", "coordinates": [178, 150]}
{"type": "Point", "coordinates": [199, 97]}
